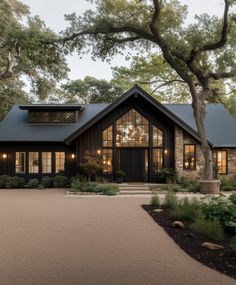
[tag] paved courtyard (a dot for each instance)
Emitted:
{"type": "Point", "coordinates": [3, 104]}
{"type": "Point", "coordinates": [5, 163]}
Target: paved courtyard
{"type": "Point", "coordinates": [47, 238]}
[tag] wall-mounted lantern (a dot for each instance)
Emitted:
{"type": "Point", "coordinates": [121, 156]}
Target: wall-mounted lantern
{"type": "Point", "coordinates": [4, 156]}
{"type": "Point", "coordinates": [99, 151]}
{"type": "Point", "coordinates": [166, 151]}
{"type": "Point", "coordinates": [73, 156]}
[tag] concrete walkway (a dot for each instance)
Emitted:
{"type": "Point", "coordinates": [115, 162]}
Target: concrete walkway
{"type": "Point", "coordinates": [48, 239]}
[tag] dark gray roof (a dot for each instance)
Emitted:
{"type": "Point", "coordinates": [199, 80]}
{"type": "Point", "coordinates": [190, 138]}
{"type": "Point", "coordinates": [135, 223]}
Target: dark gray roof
{"type": "Point", "coordinates": [220, 125]}
{"type": "Point", "coordinates": [15, 126]}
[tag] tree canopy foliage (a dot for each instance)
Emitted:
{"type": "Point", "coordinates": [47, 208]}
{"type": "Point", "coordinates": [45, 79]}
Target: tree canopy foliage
{"type": "Point", "coordinates": [88, 90]}
{"type": "Point", "coordinates": [27, 49]}
{"type": "Point", "coordinates": [200, 54]}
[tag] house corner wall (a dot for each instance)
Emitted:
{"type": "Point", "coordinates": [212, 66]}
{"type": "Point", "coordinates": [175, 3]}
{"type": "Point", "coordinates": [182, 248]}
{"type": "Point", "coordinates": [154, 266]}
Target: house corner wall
{"type": "Point", "coordinates": [182, 138]}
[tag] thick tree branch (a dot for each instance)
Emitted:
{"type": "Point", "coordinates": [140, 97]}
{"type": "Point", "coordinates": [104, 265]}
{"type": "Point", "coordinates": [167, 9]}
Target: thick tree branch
{"type": "Point", "coordinates": [123, 40]}
{"type": "Point", "coordinates": [165, 50]}
{"type": "Point", "coordinates": [222, 75]}
{"type": "Point", "coordinates": [11, 62]}
{"type": "Point", "coordinates": [220, 43]}
{"type": "Point", "coordinates": [110, 30]}
{"type": "Point", "coordinates": [162, 82]}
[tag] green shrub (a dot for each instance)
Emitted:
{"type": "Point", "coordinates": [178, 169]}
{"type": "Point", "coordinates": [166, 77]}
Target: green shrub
{"type": "Point", "coordinates": [170, 200]}
{"type": "Point", "coordinates": [227, 184]}
{"type": "Point", "coordinates": [170, 175]}
{"type": "Point", "coordinates": [90, 170]}
{"type": "Point", "coordinates": [33, 183]}
{"type": "Point", "coordinates": [232, 198]}
{"type": "Point", "coordinates": [221, 208]}
{"type": "Point", "coordinates": [47, 181]}
{"type": "Point", "coordinates": [186, 210]}
{"type": "Point", "coordinates": [192, 185]}
{"type": "Point", "coordinates": [60, 181]}
{"type": "Point", "coordinates": [3, 180]}
{"type": "Point", "coordinates": [79, 185]}
{"type": "Point", "coordinates": [15, 182]}
{"type": "Point", "coordinates": [102, 180]}
{"type": "Point", "coordinates": [76, 186]}
{"type": "Point", "coordinates": [120, 173]}
{"type": "Point", "coordinates": [208, 228]}
{"type": "Point", "coordinates": [174, 188]}
{"type": "Point", "coordinates": [155, 201]}
{"type": "Point", "coordinates": [233, 243]}
{"type": "Point", "coordinates": [109, 190]}
{"type": "Point", "coordinates": [89, 187]}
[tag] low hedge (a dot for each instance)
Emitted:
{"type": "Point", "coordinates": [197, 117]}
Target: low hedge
{"type": "Point", "coordinates": [13, 182]}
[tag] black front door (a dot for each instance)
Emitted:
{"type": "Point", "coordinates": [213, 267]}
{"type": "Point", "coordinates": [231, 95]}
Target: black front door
{"type": "Point", "coordinates": [132, 162]}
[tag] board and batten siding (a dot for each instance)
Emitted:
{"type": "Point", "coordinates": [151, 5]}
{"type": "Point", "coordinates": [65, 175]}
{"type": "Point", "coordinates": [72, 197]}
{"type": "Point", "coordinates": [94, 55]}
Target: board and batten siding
{"type": "Point", "coordinates": [90, 141]}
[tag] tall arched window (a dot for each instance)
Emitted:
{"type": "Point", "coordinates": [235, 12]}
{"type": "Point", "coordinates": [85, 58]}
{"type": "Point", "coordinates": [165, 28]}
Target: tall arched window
{"type": "Point", "coordinates": [132, 129]}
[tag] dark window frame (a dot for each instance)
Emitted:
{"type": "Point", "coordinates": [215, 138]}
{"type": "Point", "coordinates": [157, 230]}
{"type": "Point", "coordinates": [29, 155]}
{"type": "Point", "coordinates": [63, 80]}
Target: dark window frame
{"type": "Point", "coordinates": [195, 157]}
{"type": "Point", "coordinates": [60, 121]}
{"type": "Point", "coordinates": [141, 124]}
{"type": "Point", "coordinates": [226, 158]}
{"type": "Point", "coordinates": [40, 162]}
{"type": "Point", "coordinates": [106, 140]}
{"type": "Point", "coordinates": [25, 163]}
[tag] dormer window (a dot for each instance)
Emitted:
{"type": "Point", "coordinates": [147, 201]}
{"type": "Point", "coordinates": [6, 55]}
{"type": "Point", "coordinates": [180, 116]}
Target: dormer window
{"type": "Point", "coordinates": [52, 113]}
{"type": "Point", "coordinates": [52, 116]}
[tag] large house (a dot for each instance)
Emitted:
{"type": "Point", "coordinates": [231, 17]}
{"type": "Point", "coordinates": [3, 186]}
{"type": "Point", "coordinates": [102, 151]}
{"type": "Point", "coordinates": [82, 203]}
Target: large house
{"type": "Point", "coordinates": [136, 134]}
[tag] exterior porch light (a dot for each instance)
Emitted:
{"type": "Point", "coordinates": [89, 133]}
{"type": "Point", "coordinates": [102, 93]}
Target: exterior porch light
{"type": "Point", "coordinates": [99, 151]}
{"type": "Point", "coordinates": [73, 156]}
{"type": "Point", "coordinates": [165, 151]}
{"type": "Point", "coordinates": [4, 156]}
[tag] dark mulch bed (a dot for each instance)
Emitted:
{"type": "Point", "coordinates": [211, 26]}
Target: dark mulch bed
{"type": "Point", "coordinates": [222, 260]}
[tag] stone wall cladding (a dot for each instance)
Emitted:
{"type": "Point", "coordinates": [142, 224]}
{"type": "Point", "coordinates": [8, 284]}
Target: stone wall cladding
{"type": "Point", "coordinates": [231, 162]}
{"type": "Point", "coordinates": [182, 138]}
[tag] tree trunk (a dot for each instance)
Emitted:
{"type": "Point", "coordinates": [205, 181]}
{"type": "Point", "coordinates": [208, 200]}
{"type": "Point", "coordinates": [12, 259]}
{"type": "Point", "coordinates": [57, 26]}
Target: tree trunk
{"type": "Point", "coordinates": [199, 109]}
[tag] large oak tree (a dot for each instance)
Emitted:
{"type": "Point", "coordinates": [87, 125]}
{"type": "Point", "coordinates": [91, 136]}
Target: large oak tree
{"type": "Point", "coordinates": [27, 49]}
{"type": "Point", "coordinates": [200, 54]}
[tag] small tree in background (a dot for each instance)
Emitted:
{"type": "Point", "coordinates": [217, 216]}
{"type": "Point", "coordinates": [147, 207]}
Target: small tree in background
{"type": "Point", "coordinates": [91, 166]}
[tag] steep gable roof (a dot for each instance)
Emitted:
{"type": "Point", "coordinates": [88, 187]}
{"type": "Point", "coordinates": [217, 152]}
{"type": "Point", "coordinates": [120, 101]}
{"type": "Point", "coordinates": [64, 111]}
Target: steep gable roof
{"type": "Point", "coordinates": [135, 91]}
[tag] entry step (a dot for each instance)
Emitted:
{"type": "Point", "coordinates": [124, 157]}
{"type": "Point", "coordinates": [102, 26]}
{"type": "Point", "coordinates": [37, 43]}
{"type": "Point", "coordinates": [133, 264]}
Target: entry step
{"type": "Point", "coordinates": [134, 188]}
{"type": "Point", "coordinates": [133, 192]}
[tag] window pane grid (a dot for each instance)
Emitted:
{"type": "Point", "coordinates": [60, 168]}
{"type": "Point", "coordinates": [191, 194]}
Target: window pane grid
{"type": "Point", "coordinates": [157, 160]}
{"type": "Point", "coordinates": [222, 161]}
{"type": "Point", "coordinates": [157, 137]}
{"type": "Point", "coordinates": [46, 162]}
{"type": "Point", "coordinates": [33, 162]}
{"type": "Point", "coordinates": [108, 137]}
{"type": "Point", "coordinates": [107, 161]}
{"type": "Point", "coordinates": [20, 162]}
{"type": "Point", "coordinates": [60, 162]}
{"type": "Point", "coordinates": [132, 129]}
{"type": "Point", "coordinates": [189, 157]}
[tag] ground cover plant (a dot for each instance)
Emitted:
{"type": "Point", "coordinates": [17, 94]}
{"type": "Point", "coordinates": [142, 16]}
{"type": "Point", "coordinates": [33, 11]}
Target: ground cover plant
{"type": "Point", "coordinates": [211, 220]}
{"type": "Point", "coordinates": [84, 186]}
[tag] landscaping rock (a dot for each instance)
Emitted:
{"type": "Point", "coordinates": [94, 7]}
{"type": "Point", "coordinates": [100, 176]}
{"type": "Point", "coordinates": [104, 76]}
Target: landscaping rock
{"type": "Point", "coordinates": [178, 224]}
{"type": "Point", "coordinates": [212, 246]}
{"type": "Point", "coordinates": [158, 210]}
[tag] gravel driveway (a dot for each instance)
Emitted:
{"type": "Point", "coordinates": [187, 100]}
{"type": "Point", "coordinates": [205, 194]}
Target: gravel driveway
{"type": "Point", "coordinates": [47, 238]}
